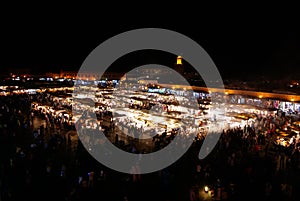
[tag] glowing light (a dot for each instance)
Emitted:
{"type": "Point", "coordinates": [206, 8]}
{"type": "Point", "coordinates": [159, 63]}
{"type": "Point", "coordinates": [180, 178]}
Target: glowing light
{"type": "Point", "coordinates": [226, 93]}
{"type": "Point", "coordinates": [292, 99]}
{"type": "Point", "coordinates": [206, 189]}
{"type": "Point", "coordinates": [179, 60]}
{"type": "Point", "coordinates": [260, 96]}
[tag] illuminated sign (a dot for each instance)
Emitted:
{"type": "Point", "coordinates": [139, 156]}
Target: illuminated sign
{"type": "Point", "coordinates": [161, 91]}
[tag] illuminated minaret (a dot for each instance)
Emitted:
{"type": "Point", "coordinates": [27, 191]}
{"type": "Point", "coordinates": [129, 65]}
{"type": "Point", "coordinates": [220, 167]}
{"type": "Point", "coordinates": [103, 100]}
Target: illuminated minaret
{"type": "Point", "coordinates": [179, 60]}
{"type": "Point", "coordinates": [179, 65]}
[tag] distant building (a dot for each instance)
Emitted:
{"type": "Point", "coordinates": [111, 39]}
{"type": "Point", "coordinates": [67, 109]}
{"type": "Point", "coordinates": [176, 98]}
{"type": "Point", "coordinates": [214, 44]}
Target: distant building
{"type": "Point", "coordinates": [90, 75]}
{"type": "Point", "coordinates": [179, 65]}
{"type": "Point", "coordinates": [53, 75]}
{"type": "Point", "coordinates": [145, 82]}
{"type": "Point", "coordinates": [68, 74]}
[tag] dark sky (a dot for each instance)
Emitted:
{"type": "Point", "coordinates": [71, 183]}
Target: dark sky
{"type": "Point", "coordinates": [241, 49]}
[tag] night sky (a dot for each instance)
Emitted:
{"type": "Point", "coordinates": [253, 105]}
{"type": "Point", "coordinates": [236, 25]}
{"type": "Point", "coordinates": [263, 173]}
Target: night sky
{"type": "Point", "coordinates": [241, 49]}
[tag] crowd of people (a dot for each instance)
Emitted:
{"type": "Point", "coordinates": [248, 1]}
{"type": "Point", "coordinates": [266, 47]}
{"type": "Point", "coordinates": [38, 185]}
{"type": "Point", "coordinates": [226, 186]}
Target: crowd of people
{"type": "Point", "coordinates": [245, 164]}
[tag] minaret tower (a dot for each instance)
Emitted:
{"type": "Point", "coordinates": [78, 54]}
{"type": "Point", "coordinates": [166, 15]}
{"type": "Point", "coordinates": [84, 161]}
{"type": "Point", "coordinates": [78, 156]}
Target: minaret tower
{"type": "Point", "coordinates": [179, 66]}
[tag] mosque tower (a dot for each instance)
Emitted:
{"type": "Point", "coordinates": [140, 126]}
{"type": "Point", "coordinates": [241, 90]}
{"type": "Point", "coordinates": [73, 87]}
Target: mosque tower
{"type": "Point", "coordinates": [179, 66]}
